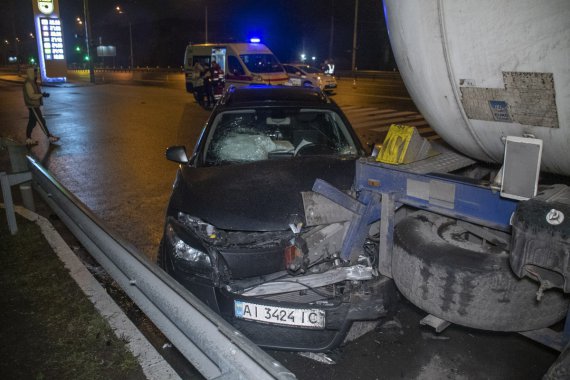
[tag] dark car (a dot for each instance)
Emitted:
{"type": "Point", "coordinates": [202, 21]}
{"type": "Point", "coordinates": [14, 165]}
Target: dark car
{"type": "Point", "coordinates": [237, 234]}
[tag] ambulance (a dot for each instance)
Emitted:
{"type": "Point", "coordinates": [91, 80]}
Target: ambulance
{"type": "Point", "coordinates": [240, 64]}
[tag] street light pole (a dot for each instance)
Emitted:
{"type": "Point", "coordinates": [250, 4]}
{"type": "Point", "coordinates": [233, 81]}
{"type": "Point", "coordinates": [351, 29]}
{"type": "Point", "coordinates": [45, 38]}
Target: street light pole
{"type": "Point", "coordinates": [331, 38]}
{"type": "Point", "coordinates": [354, 35]}
{"type": "Point", "coordinates": [88, 39]}
{"type": "Point", "coordinates": [132, 58]}
{"type": "Point", "coordinates": [131, 41]}
{"type": "Point", "coordinates": [206, 22]}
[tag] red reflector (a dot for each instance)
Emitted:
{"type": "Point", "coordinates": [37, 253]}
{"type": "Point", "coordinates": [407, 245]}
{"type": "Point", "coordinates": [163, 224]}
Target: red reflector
{"type": "Point", "coordinates": [292, 254]}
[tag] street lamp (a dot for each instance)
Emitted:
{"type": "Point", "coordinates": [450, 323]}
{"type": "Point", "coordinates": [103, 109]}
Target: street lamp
{"type": "Point", "coordinates": [88, 45]}
{"type": "Point", "coordinates": [354, 35]}
{"type": "Point", "coordinates": [120, 11]}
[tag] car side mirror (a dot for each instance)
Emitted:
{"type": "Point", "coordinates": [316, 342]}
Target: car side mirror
{"type": "Point", "coordinates": [177, 154]}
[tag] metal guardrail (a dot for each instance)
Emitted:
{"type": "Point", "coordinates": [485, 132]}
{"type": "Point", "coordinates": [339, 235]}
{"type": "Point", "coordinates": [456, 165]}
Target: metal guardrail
{"type": "Point", "coordinates": [211, 344]}
{"type": "Point", "coordinates": [368, 74]}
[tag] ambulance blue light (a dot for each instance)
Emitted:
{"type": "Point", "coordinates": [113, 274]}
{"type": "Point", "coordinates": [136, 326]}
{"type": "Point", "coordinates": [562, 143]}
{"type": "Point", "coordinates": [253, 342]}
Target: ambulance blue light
{"type": "Point", "coordinates": [255, 40]}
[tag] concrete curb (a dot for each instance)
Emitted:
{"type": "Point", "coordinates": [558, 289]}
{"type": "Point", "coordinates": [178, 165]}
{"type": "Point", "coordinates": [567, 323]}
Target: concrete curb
{"type": "Point", "coordinates": [153, 364]}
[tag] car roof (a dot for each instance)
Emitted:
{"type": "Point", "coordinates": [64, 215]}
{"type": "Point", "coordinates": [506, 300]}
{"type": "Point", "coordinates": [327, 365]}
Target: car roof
{"type": "Point", "coordinates": [265, 95]}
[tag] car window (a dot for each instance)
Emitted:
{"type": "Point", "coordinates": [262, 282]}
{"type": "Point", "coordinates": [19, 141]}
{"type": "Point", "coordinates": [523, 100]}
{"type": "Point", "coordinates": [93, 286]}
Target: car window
{"type": "Point", "coordinates": [290, 69]}
{"type": "Point", "coordinates": [262, 63]}
{"type": "Point", "coordinates": [266, 133]}
{"type": "Point", "coordinates": [202, 59]}
{"type": "Point", "coordinates": [234, 66]}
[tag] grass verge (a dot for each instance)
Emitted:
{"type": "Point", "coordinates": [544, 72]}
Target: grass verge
{"type": "Point", "coordinates": [49, 329]}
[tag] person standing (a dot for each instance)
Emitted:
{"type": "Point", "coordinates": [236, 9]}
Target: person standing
{"type": "Point", "coordinates": [33, 98]}
{"type": "Point", "coordinates": [198, 76]}
{"type": "Point", "coordinates": [217, 78]}
{"type": "Point", "coordinates": [209, 88]}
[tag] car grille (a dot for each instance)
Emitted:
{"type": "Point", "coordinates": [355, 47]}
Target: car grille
{"type": "Point", "coordinates": [303, 296]}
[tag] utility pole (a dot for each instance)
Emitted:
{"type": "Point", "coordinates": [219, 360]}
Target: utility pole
{"type": "Point", "coordinates": [16, 43]}
{"type": "Point", "coordinates": [131, 41]}
{"type": "Point", "coordinates": [354, 35]}
{"type": "Point", "coordinates": [88, 40]}
{"type": "Point", "coordinates": [132, 57]}
{"type": "Point", "coordinates": [331, 38]}
{"type": "Point", "coordinates": [206, 22]}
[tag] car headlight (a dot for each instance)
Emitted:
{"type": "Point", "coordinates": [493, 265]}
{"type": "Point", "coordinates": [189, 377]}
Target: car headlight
{"type": "Point", "coordinates": [257, 78]}
{"type": "Point", "coordinates": [202, 229]}
{"type": "Point", "coordinates": [183, 251]}
{"type": "Point", "coordinates": [319, 79]}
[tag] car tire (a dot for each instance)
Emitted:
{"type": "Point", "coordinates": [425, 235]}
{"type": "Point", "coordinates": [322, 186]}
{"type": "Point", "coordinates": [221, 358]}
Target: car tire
{"type": "Point", "coordinates": [466, 283]}
{"type": "Point", "coordinates": [307, 84]}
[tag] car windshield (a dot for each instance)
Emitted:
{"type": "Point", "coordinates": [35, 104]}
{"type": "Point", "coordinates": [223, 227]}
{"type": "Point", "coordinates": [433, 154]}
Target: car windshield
{"type": "Point", "coordinates": [263, 134]}
{"type": "Point", "coordinates": [261, 63]}
{"type": "Point", "coordinates": [311, 70]}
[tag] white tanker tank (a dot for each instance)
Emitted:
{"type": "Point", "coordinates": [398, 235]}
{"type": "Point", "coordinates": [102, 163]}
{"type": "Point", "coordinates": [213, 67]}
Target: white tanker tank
{"type": "Point", "coordinates": [479, 70]}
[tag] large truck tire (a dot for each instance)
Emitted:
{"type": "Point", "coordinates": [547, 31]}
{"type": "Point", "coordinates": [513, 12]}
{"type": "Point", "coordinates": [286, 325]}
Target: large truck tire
{"type": "Point", "coordinates": [443, 272]}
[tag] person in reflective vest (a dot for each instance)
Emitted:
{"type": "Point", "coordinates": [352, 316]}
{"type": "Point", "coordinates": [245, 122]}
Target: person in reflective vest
{"type": "Point", "coordinates": [33, 98]}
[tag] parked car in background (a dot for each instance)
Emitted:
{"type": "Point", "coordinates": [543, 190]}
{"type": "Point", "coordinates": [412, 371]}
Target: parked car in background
{"type": "Point", "coordinates": [301, 74]}
{"type": "Point", "coordinates": [237, 234]}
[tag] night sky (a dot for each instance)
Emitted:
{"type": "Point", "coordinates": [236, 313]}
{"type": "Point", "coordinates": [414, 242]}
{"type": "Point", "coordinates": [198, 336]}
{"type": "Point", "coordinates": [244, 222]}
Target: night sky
{"type": "Point", "coordinates": [162, 29]}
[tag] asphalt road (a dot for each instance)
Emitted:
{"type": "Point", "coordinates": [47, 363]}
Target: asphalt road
{"type": "Point", "coordinates": [111, 156]}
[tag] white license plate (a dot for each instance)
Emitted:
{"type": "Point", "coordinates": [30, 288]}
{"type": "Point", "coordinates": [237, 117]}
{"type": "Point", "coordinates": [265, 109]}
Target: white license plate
{"type": "Point", "coordinates": [311, 318]}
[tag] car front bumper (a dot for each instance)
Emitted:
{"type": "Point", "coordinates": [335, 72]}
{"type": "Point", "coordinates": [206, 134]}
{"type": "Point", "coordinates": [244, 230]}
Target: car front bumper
{"type": "Point", "coordinates": [339, 314]}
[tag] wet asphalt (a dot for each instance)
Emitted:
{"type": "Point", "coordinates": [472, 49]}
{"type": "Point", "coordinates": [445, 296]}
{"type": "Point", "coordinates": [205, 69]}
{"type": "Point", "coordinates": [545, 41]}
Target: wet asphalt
{"type": "Point", "coordinates": [111, 156]}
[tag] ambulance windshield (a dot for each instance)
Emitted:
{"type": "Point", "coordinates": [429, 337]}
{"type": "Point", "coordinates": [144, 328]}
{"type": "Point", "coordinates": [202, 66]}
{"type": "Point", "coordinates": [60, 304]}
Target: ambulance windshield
{"type": "Point", "coordinates": [262, 63]}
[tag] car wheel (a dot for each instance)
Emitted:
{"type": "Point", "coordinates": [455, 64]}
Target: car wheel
{"type": "Point", "coordinates": [307, 84]}
{"type": "Point", "coordinates": [438, 267]}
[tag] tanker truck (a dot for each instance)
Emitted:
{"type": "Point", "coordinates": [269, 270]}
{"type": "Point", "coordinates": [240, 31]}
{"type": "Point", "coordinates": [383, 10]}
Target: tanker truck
{"type": "Point", "coordinates": [467, 230]}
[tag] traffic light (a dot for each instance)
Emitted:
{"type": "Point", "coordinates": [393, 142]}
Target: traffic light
{"type": "Point", "coordinates": [86, 58]}
{"type": "Point", "coordinates": [78, 48]}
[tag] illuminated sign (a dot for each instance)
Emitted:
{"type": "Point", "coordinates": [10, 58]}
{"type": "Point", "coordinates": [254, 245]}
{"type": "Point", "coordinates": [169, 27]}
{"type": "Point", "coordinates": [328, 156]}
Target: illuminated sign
{"type": "Point", "coordinates": [46, 6]}
{"type": "Point", "coordinates": [51, 38]}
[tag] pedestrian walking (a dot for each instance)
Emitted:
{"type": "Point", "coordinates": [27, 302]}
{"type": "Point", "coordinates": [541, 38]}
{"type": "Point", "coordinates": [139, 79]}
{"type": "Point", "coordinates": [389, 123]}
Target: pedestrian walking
{"type": "Point", "coordinates": [33, 97]}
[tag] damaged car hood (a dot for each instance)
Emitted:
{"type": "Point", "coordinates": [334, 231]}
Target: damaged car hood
{"type": "Point", "coordinates": [259, 196]}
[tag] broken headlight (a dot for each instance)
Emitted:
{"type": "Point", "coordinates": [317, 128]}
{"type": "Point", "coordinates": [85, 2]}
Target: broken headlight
{"type": "Point", "coordinates": [202, 229]}
{"type": "Point", "coordinates": [193, 257]}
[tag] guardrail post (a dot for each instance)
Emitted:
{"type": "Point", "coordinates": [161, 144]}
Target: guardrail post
{"type": "Point", "coordinates": [8, 204]}
{"type": "Point", "coordinates": [17, 153]}
{"type": "Point", "coordinates": [6, 181]}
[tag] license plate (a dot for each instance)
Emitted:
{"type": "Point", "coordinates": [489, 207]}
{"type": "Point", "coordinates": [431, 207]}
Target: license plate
{"type": "Point", "coordinates": [309, 318]}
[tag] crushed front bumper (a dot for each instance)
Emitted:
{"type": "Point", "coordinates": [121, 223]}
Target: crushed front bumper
{"type": "Point", "coordinates": [339, 316]}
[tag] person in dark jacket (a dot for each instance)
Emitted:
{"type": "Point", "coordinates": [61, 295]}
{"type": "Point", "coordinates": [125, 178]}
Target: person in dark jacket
{"type": "Point", "coordinates": [209, 88]}
{"type": "Point", "coordinates": [33, 97]}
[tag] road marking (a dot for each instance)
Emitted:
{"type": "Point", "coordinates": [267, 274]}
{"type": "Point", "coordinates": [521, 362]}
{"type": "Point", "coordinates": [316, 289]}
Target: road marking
{"type": "Point", "coordinates": [371, 124]}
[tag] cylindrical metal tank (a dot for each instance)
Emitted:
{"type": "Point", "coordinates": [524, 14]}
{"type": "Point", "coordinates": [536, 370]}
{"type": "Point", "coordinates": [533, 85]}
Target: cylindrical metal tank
{"type": "Point", "coordinates": [479, 70]}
